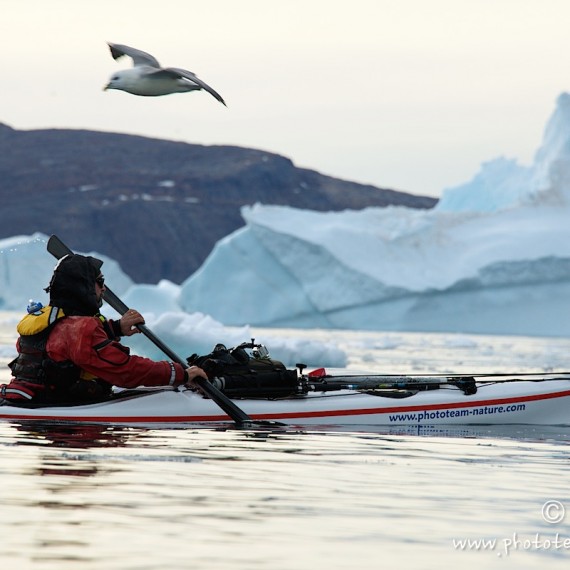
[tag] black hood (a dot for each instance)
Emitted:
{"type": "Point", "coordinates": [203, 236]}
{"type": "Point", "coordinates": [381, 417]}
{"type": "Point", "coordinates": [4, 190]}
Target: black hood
{"type": "Point", "coordinates": [72, 286]}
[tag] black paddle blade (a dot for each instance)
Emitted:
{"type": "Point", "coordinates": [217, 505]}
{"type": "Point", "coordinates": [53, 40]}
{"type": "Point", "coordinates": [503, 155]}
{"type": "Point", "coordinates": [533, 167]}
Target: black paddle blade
{"type": "Point", "coordinates": [57, 248]}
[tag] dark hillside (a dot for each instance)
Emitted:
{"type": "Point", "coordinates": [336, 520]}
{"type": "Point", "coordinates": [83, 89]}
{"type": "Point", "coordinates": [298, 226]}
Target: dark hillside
{"type": "Point", "coordinates": [156, 206]}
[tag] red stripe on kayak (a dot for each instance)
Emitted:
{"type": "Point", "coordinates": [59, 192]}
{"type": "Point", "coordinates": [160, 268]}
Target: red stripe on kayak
{"type": "Point", "coordinates": [295, 415]}
{"type": "Point", "coordinates": [121, 419]}
{"type": "Point", "coordinates": [419, 408]}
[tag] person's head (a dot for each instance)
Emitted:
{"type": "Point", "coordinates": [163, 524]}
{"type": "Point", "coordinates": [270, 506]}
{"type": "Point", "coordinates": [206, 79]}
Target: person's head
{"type": "Point", "coordinates": [74, 285]}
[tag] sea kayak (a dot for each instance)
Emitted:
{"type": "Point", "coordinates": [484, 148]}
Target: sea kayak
{"type": "Point", "coordinates": [539, 401]}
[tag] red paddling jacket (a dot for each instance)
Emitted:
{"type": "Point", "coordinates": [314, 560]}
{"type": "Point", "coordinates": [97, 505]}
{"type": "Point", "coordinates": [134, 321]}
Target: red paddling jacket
{"type": "Point", "coordinates": [78, 359]}
{"type": "Point", "coordinates": [68, 352]}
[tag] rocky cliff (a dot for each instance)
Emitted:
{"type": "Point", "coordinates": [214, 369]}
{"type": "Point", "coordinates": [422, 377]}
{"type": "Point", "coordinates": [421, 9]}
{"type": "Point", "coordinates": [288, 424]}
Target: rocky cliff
{"type": "Point", "coordinates": [156, 206]}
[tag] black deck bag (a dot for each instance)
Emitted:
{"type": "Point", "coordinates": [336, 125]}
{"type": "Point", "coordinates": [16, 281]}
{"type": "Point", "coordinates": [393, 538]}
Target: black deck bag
{"type": "Point", "coordinates": [238, 375]}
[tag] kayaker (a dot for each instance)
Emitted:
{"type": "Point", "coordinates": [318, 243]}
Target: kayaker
{"type": "Point", "coordinates": [68, 352]}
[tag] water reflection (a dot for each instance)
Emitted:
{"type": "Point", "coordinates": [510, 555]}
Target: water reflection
{"type": "Point", "coordinates": [40, 437]}
{"type": "Point", "coordinates": [81, 436]}
{"type": "Point", "coordinates": [97, 496]}
{"type": "Point", "coordinates": [519, 432]}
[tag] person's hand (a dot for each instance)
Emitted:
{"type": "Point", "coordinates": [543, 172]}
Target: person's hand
{"type": "Point", "coordinates": [194, 372]}
{"type": "Point", "coordinates": [129, 321]}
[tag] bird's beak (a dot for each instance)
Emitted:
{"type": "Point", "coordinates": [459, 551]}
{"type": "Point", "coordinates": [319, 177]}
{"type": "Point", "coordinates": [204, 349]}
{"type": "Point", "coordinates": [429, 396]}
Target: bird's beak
{"type": "Point", "coordinates": [106, 87]}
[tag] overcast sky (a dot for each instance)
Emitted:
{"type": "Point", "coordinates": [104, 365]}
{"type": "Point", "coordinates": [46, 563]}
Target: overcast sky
{"type": "Point", "coordinates": [404, 94]}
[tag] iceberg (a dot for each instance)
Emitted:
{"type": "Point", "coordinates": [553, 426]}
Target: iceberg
{"type": "Point", "coordinates": [492, 257]}
{"type": "Point", "coordinates": [26, 268]}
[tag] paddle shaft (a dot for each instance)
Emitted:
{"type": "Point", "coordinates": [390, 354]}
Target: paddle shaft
{"type": "Point", "coordinates": [369, 380]}
{"type": "Point", "coordinates": [333, 383]}
{"type": "Point", "coordinates": [58, 249]}
{"type": "Point", "coordinates": [442, 376]}
{"type": "Point", "coordinates": [468, 384]}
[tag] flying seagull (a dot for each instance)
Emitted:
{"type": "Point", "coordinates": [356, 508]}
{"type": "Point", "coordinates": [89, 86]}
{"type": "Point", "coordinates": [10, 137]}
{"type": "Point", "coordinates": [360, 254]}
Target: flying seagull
{"type": "Point", "coordinates": [147, 78]}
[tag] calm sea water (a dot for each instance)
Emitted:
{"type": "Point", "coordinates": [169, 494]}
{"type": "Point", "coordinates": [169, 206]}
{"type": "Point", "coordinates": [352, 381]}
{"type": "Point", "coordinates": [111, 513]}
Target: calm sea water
{"type": "Point", "coordinates": [88, 497]}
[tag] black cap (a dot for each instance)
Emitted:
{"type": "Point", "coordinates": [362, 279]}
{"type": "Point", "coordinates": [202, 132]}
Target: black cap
{"type": "Point", "coordinates": [72, 286]}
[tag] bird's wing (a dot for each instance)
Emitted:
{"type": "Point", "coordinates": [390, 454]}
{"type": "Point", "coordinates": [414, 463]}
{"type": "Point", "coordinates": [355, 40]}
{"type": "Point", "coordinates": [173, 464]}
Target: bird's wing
{"type": "Point", "coordinates": [185, 74]}
{"type": "Point", "coordinates": [139, 57]}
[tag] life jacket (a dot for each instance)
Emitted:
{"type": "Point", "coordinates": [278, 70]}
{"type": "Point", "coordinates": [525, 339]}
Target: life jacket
{"type": "Point", "coordinates": [36, 377]}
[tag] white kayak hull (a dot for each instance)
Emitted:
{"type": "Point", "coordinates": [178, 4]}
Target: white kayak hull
{"type": "Point", "coordinates": [545, 402]}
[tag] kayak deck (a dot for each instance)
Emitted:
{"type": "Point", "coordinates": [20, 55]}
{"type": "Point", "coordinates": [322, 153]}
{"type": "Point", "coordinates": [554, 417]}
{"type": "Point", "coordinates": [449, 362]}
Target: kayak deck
{"type": "Point", "coordinates": [540, 402]}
